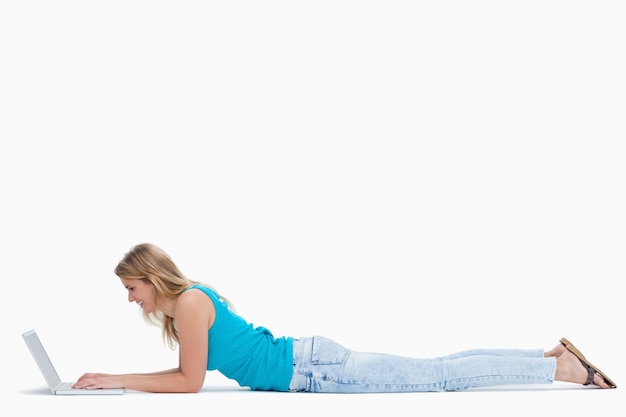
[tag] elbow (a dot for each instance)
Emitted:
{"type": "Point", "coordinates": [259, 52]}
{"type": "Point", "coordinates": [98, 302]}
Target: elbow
{"type": "Point", "coordinates": [193, 387]}
{"type": "Point", "coordinates": [187, 389]}
{"type": "Point", "coordinates": [191, 382]}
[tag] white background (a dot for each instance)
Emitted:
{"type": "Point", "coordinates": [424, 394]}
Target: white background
{"type": "Point", "coordinates": [411, 177]}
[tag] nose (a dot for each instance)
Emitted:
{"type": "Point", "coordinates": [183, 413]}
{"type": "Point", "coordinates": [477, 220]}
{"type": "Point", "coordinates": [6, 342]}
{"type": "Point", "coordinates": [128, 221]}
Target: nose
{"type": "Point", "coordinates": [130, 297]}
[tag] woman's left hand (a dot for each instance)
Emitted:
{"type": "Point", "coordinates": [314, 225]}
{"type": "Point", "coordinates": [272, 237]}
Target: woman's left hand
{"type": "Point", "coordinates": [98, 381]}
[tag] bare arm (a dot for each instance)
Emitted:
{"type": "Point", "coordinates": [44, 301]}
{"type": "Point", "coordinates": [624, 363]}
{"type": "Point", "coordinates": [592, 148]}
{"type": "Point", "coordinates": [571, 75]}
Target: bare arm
{"type": "Point", "coordinates": [194, 313]}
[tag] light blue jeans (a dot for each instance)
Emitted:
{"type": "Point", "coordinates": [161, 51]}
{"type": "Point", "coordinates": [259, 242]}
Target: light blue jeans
{"type": "Point", "coordinates": [322, 365]}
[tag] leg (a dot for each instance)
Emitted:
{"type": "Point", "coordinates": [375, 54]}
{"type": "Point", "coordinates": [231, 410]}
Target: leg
{"type": "Point", "coordinates": [324, 366]}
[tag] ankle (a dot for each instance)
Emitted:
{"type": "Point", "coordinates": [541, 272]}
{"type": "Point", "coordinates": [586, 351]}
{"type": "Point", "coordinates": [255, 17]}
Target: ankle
{"type": "Point", "coordinates": [555, 352]}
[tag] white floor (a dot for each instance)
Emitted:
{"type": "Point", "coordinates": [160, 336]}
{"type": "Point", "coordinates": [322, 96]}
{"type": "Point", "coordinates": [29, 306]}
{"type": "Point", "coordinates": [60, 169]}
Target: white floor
{"type": "Point", "coordinates": [516, 401]}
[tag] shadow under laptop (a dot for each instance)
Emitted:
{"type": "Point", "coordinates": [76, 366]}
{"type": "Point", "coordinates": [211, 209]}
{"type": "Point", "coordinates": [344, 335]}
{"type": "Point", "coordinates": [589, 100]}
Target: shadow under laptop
{"type": "Point", "coordinates": [214, 389]}
{"type": "Point", "coordinates": [35, 391]}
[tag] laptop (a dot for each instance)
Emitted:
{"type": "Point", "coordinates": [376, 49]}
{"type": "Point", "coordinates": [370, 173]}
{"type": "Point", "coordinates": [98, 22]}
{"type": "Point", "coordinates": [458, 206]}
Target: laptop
{"type": "Point", "coordinates": [50, 374]}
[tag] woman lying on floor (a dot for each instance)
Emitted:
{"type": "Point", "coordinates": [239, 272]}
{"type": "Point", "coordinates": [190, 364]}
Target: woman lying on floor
{"type": "Point", "coordinates": [211, 336]}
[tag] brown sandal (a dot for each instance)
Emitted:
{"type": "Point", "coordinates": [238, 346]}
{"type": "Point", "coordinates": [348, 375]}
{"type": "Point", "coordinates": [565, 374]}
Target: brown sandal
{"type": "Point", "coordinates": [592, 370]}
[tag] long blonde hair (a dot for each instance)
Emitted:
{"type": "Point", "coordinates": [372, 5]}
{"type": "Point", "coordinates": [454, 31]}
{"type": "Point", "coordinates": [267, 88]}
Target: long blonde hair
{"type": "Point", "coordinates": [148, 262]}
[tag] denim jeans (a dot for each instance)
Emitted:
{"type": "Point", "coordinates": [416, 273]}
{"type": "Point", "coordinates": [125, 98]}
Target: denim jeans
{"type": "Point", "coordinates": [322, 365]}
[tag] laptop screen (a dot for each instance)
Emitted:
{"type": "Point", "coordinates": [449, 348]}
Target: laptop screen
{"type": "Point", "coordinates": [42, 359]}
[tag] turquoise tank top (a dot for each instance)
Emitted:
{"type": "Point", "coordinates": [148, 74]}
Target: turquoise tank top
{"type": "Point", "coordinates": [251, 356]}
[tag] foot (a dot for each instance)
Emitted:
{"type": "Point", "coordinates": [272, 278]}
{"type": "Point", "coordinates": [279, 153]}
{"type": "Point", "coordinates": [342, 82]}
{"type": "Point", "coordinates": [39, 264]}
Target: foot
{"type": "Point", "coordinates": [570, 369]}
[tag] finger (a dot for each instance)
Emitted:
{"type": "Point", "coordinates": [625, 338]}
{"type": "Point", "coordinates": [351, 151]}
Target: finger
{"type": "Point", "coordinates": [84, 382]}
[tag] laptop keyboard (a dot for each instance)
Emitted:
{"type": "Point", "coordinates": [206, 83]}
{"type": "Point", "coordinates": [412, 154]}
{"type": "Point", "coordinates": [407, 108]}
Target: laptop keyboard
{"type": "Point", "coordinates": [65, 386]}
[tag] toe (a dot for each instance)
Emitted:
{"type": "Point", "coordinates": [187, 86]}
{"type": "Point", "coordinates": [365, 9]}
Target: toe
{"type": "Point", "coordinates": [599, 381]}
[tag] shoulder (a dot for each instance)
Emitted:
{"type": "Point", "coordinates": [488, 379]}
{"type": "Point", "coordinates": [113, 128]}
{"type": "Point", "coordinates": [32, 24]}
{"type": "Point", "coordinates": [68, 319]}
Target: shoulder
{"type": "Point", "coordinates": [194, 301]}
{"type": "Point", "coordinates": [194, 295]}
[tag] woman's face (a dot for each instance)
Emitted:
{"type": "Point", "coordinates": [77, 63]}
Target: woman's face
{"type": "Point", "coordinates": [141, 292]}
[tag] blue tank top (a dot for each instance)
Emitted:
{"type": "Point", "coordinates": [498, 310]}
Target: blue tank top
{"type": "Point", "coordinates": [251, 356]}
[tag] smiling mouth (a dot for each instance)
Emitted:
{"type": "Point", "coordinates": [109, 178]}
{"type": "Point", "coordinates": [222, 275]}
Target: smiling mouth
{"type": "Point", "coordinates": [140, 304]}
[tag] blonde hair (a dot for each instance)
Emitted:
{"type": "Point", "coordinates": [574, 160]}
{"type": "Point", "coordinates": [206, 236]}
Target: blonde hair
{"type": "Point", "coordinates": [150, 263]}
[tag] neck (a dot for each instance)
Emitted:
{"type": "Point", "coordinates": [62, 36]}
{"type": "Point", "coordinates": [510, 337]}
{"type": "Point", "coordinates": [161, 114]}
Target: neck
{"type": "Point", "coordinates": [167, 306]}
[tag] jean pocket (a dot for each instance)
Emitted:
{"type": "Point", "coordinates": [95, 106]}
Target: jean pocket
{"type": "Point", "coordinates": [328, 352]}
